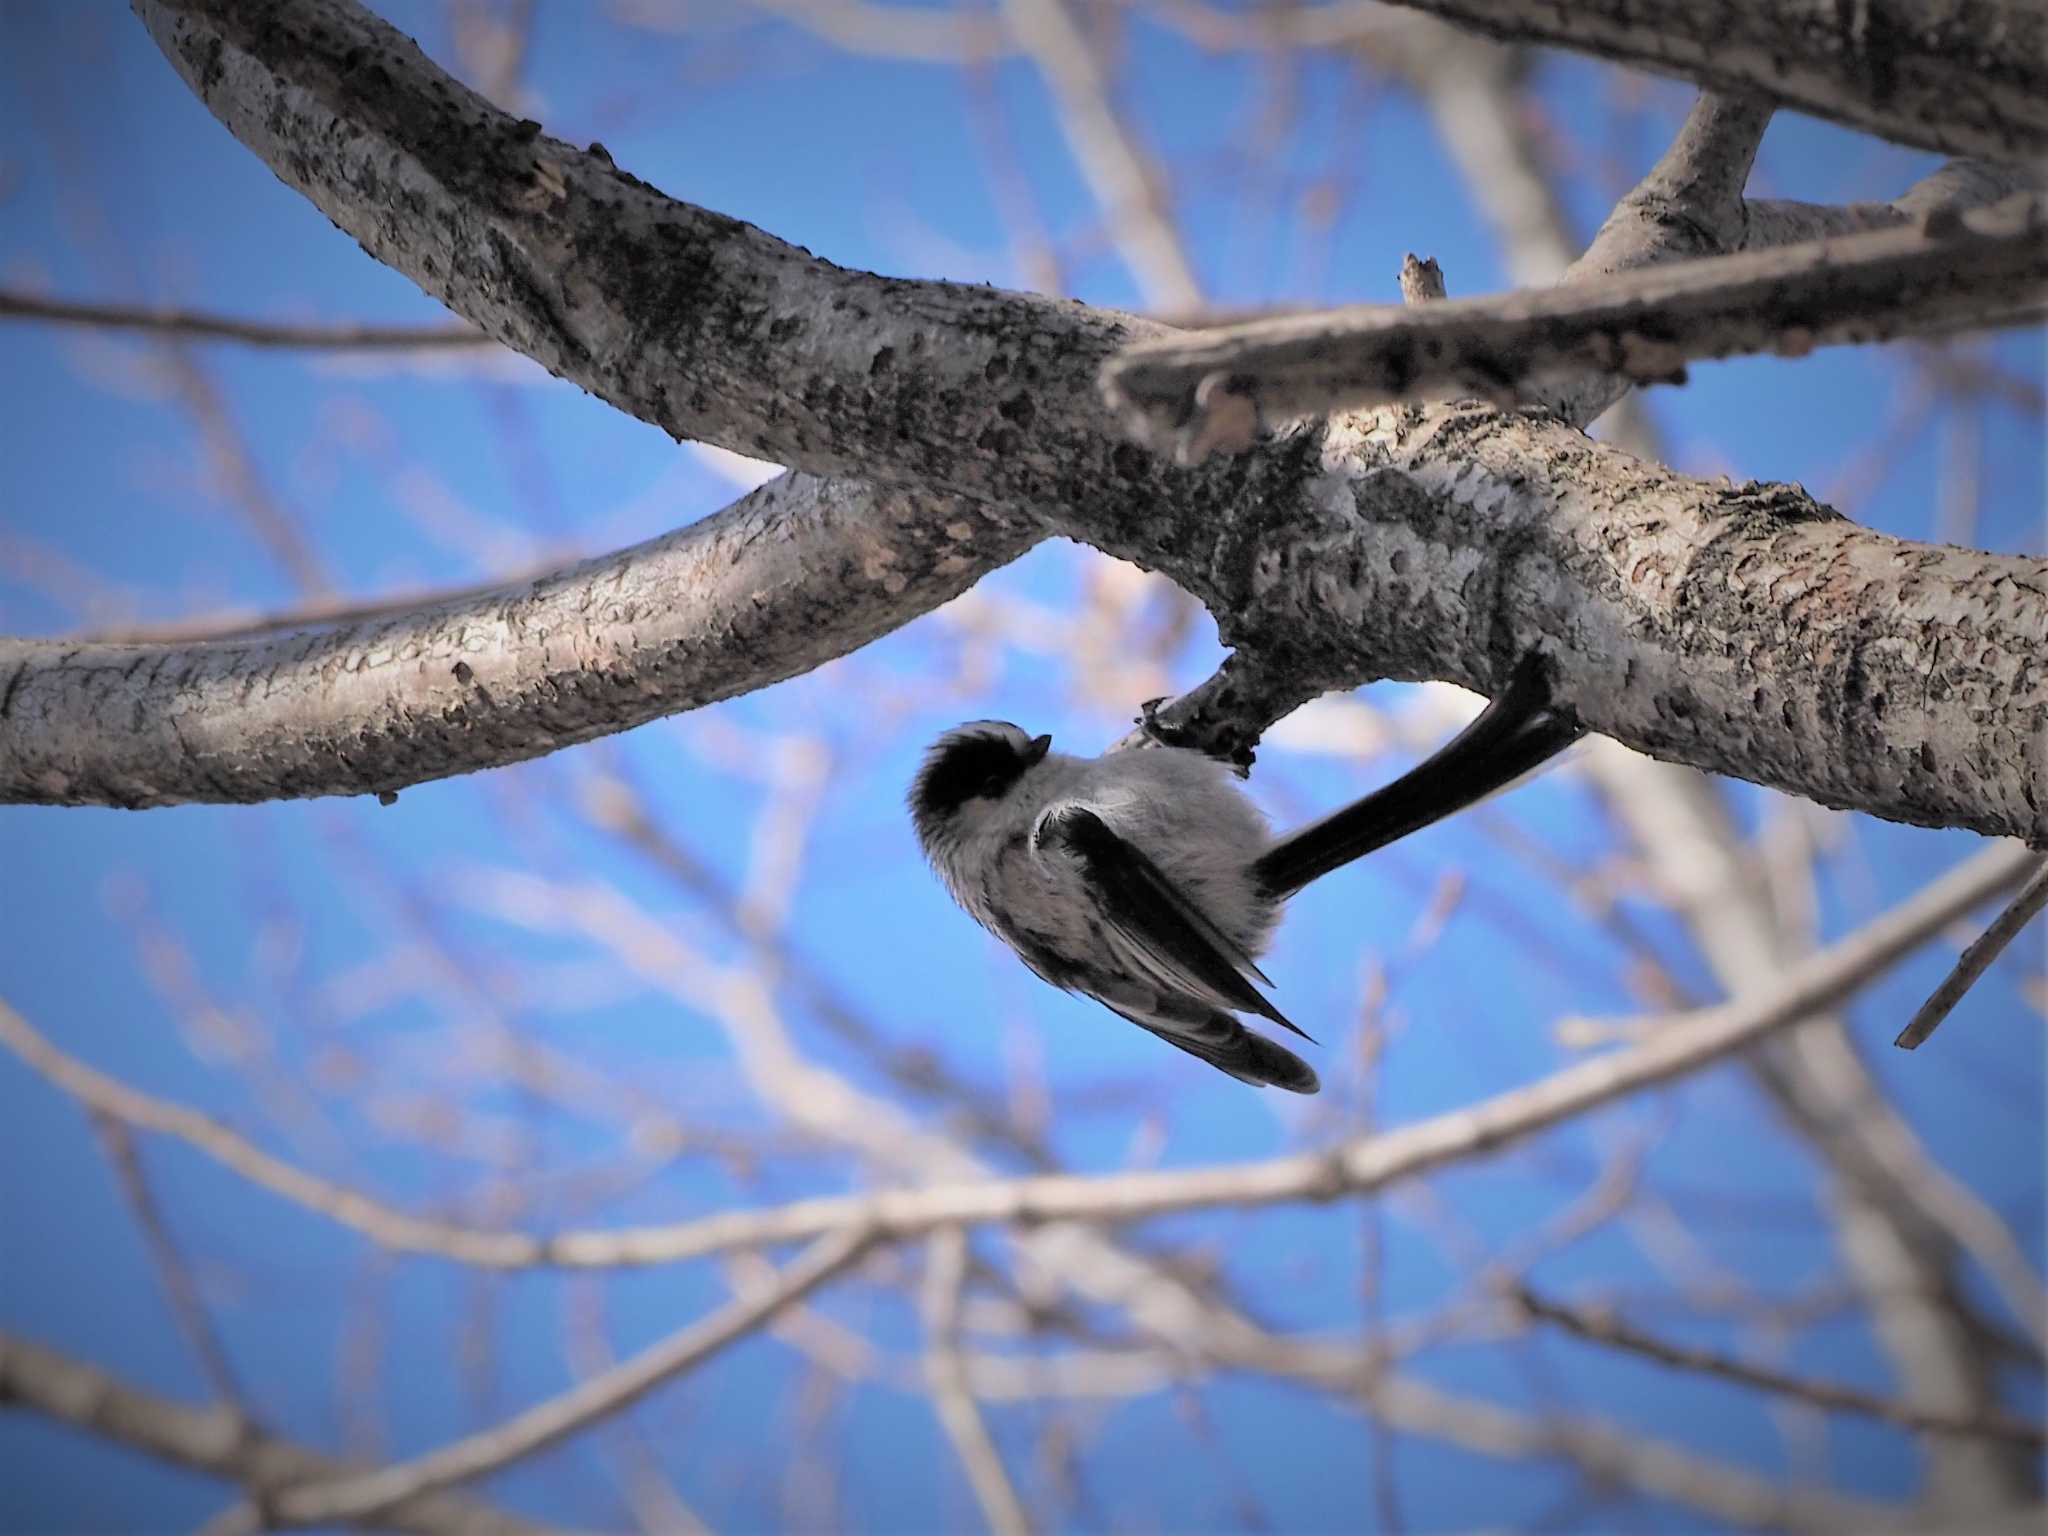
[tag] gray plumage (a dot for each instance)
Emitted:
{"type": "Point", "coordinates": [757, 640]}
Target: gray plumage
{"type": "Point", "coordinates": [1126, 877]}
{"type": "Point", "coordinates": [1147, 880]}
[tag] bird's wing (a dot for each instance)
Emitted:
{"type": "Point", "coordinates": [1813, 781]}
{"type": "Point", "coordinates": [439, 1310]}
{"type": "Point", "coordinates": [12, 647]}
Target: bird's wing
{"type": "Point", "coordinates": [1165, 937]}
{"type": "Point", "coordinates": [1228, 1046]}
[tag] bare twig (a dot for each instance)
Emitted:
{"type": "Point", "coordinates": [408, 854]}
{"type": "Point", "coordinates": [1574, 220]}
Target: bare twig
{"type": "Point", "coordinates": [211, 1440]}
{"type": "Point", "coordinates": [1989, 267]}
{"type": "Point", "coordinates": [195, 325]}
{"type": "Point", "coordinates": [881, 30]}
{"type": "Point", "coordinates": [653, 1498]}
{"type": "Point", "coordinates": [180, 1289]}
{"type": "Point", "coordinates": [1356, 1167]}
{"type": "Point", "coordinates": [953, 1391]}
{"type": "Point", "coordinates": [1602, 1327]}
{"type": "Point", "coordinates": [1422, 280]}
{"type": "Point", "coordinates": [1900, 1222]}
{"type": "Point", "coordinates": [384, 1224]}
{"type": "Point", "coordinates": [1122, 176]}
{"type": "Point", "coordinates": [2032, 897]}
{"type": "Point", "coordinates": [359, 1497]}
{"type": "Point", "coordinates": [1188, 1319]}
{"type": "Point", "coordinates": [1902, 70]}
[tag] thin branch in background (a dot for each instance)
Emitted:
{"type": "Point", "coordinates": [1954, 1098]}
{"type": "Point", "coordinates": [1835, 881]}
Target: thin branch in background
{"type": "Point", "coordinates": [1188, 1317]}
{"type": "Point", "coordinates": [1033, 254]}
{"type": "Point", "coordinates": [1372, 1041]}
{"type": "Point", "coordinates": [1600, 1327]}
{"type": "Point", "coordinates": [1123, 177]}
{"type": "Point", "coordinates": [198, 325]}
{"type": "Point", "coordinates": [653, 1498]}
{"type": "Point", "coordinates": [1900, 1223]}
{"type": "Point", "coordinates": [834, 1347]}
{"type": "Point", "coordinates": [2024, 907]}
{"type": "Point", "coordinates": [180, 1289]}
{"type": "Point", "coordinates": [1359, 1166]}
{"type": "Point", "coordinates": [494, 44]}
{"type": "Point", "coordinates": [385, 1224]}
{"type": "Point", "coordinates": [952, 1391]}
{"type": "Point", "coordinates": [887, 31]}
{"type": "Point", "coordinates": [370, 1494]}
{"type": "Point", "coordinates": [212, 1440]}
{"type": "Point", "coordinates": [621, 808]}
{"type": "Point", "coordinates": [238, 478]}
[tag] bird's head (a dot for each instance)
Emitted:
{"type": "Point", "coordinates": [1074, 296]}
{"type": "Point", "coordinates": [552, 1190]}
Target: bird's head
{"type": "Point", "coordinates": [967, 772]}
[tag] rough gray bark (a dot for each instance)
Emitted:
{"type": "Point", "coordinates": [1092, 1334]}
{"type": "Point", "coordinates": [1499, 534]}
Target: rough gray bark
{"type": "Point", "coordinates": [1741, 629]}
{"type": "Point", "coordinates": [1966, 77]}
{"type": "Point", "coordinates": [797, 573]}
{"type": "Point", "coordinates": [698, 323]}
{"type": "Point", "coordinates": [1643, 326]}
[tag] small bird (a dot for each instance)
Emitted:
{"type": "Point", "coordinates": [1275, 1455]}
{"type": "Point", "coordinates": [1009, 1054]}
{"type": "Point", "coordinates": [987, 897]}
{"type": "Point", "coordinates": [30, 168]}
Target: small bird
{"type": "Point", "coordinates": [1148, 880]}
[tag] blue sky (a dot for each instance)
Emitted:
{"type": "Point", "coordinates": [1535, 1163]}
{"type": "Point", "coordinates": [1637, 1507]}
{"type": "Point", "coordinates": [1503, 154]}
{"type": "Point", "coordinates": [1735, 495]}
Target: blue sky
{"type": "Point", "coordinates": [352, 985]}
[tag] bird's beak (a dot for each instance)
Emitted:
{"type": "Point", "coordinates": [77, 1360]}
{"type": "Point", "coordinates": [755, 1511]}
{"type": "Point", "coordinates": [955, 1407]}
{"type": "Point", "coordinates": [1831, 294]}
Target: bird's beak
{"type": "Point", "coordinates": [1040, 745]}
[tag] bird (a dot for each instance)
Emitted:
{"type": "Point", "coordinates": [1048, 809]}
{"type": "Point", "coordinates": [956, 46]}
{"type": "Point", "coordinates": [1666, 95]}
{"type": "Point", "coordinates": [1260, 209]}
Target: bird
{"type": "Point", "coordinates": [1148, 880]}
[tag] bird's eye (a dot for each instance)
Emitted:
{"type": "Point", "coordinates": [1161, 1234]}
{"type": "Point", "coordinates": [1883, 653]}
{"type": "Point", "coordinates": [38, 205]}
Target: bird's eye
{"type": "Point", "coordinates": [993, 786]}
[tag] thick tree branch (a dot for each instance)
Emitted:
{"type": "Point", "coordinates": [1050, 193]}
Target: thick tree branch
{"type": "Point", "coordinates": [1436, 546]}
{"type": "Point", "coordinates": [1741, 628]}
{"type": "Point", "coordinates": [789, 577]}
{"type": "Point", "coordinates": [211, 1440]}
{"type": "Point", "coordinates": [707, 327]}
{"type": "Point", "coordinates": [1988, 268]}
{"type": "Point", "coordinates": [1965, 77]}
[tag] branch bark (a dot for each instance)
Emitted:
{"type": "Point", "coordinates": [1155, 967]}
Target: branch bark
{"type": "Point", "coordinates": [1965, 77]}
{"type": "Point", "coordinates": [1986, 268]}
{"type": "Point", "coordinates": [1731, 628]}
{"type": "Point", "coordinates": [783, 580]}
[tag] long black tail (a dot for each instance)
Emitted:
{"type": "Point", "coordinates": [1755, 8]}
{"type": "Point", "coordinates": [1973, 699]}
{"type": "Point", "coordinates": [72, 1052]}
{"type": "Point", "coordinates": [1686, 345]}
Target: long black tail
{"type": "Point", "coordinates": [1516, 732]}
